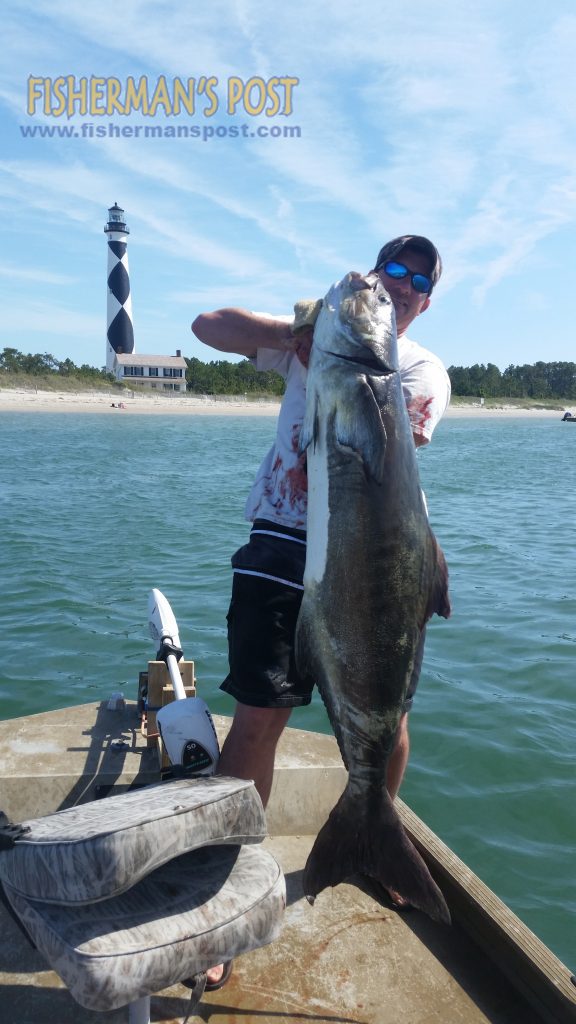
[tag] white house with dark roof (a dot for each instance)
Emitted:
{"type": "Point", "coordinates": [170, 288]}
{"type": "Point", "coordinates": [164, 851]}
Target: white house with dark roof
{"type": "Point", "coordinates": [159, 373]}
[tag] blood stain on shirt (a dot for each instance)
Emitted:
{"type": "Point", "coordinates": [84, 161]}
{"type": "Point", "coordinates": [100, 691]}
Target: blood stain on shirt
{"type": "Point", "coordinates": [297, 482]}
{"type": "Point", "coordinates": [419, 410]}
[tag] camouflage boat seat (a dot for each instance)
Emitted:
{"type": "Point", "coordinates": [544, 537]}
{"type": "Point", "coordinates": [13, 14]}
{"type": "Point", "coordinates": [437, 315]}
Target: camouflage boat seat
{"type": "Point", "coordinates": [131, 894]}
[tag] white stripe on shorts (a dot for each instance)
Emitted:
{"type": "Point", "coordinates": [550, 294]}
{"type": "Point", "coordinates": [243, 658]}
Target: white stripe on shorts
{"type": "Point", "coordinates": [274, 533]}
{"type": "Point", "coordinates": [266, 576]}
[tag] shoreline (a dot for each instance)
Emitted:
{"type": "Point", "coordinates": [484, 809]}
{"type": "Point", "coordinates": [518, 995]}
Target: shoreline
{"type": "Point", "coordinates": [26, 400]}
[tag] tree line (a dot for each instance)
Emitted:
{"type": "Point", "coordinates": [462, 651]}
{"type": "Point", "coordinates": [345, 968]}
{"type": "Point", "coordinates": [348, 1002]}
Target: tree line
{"type": "Point", "coordinates": [541, 380]}
{"type": "Point", "coordinates": [216, 378]}
{"type": "Point", "coordinates": [13, 361]}
{"type": "Point", "coordinates": [223, 378]}
{"type": "Point", "coordinates": [220, 377]}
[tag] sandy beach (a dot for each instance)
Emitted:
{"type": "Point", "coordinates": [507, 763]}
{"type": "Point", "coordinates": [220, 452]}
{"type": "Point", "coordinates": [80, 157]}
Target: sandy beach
{"type": "Point", "coordinates": [28, 400]}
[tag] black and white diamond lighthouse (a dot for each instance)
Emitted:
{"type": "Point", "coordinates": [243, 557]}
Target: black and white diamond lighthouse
{"type": "Point", "coordinates": [120, 331]}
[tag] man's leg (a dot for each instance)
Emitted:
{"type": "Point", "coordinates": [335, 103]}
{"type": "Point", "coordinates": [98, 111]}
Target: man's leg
{"type": "Point", "coordinates": [398, 758]}
{"type": "Point", "coordinates": [248, 753]}
{"type": "Point", "coordinates": [394, 775]}
{"type": "Point", "coordinates": [250, 746]}
{"type": "Point", "coordinates": [261, 625]}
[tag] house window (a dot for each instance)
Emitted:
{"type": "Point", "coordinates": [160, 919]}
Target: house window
{"type": "Point", "coordinates": [152, 371]}
{"type": "Point", "coordinates": [133, 371]}
{"type": "Point", "coordinates": [171, 372]}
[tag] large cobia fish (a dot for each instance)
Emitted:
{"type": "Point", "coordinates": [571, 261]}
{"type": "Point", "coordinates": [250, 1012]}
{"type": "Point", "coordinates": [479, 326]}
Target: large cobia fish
{"type": "Point", "coordinates": [374, 576]}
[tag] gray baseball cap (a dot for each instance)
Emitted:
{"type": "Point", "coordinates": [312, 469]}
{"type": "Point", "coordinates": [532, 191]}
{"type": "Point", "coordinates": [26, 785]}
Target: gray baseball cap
{"type": "Point", "coordinates": [392, 249]}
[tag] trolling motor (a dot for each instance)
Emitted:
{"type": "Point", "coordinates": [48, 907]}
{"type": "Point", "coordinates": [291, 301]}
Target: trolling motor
{"type": "Point", "coordinates": [185, 725]}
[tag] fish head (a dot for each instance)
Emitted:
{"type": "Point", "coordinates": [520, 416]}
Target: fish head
{"type": "Point", "coordinates": [362, 323]}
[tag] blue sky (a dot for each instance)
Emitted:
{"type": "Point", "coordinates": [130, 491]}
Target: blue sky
{"type": "Point", "coordinates": [448, 118]}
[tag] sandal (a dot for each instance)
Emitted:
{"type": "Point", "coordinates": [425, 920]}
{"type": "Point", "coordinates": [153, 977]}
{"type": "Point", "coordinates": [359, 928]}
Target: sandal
{"type": "Point", "coordinates": [213, 986]}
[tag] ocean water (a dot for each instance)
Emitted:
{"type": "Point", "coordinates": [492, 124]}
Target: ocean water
{"type": "Point", "coordinates": [96, 511]}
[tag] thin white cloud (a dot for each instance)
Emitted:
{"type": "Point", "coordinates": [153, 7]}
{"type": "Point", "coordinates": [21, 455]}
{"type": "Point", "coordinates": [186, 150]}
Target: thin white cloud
{"type": "Point", "coordinates": [41, 318]}
{"type": "Point", "coordinates": [34, 274]}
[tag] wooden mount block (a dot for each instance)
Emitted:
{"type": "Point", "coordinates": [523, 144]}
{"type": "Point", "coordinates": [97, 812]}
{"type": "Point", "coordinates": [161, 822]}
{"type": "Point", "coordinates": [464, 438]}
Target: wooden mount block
{"type": "Point", "coordinates": [161, 691]}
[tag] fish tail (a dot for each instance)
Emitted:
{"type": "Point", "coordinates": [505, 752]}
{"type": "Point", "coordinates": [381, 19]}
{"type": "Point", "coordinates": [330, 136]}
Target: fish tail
{"type": "Point", "coordinates": [372, 843]}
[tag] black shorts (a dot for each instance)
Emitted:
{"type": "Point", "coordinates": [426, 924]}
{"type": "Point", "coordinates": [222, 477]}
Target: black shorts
{"type": "Point", "coordinates": [267, 593]}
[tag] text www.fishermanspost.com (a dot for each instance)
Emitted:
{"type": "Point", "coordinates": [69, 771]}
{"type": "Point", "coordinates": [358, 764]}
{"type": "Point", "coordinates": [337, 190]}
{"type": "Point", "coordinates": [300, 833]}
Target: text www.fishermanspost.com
{"type": "Point", "coordinates": [201, 133]}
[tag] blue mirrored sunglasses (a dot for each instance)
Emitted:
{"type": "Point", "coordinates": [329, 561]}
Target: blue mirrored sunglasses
{"type": "Point", "coordinates": [420, 282]}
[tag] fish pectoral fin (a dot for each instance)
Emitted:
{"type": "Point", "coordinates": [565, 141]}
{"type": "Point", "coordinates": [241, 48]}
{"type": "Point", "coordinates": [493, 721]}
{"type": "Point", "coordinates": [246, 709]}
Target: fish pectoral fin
{"type": "Point", "coordinates": [440, 597]}
{"type": "Point", "coordinates": [309, 431]}
{"type": "Point", "coordinates": [303, 645]}
{"type": "Point", "coordinates": [359, 428]}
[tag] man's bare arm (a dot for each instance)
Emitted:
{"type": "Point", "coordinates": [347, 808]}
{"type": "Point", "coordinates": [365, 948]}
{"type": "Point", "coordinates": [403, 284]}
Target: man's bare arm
{"type": "Point", "coordinates": [242, 332]}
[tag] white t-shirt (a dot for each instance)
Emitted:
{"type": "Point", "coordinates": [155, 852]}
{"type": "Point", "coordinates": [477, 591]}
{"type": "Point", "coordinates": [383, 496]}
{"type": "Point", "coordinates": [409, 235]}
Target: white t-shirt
{"type": "Point", "coordinates": [280, 490]}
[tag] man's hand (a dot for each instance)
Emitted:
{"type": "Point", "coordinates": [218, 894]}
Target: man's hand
{"type": "Point", "coordinates": [302, 344]}
{"type": "Point", "coordinates": [305, 315]}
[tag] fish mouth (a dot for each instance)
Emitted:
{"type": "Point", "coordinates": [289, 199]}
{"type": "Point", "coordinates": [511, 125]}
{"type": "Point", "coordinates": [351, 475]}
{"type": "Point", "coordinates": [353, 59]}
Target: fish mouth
{"type": "Point", "coordinates": [372, 364]}
{"type": "Point", "coordinates": [363, 282]}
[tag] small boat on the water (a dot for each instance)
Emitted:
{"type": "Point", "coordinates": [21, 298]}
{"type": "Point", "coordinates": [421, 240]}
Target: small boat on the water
{"type": "Point", "coordinates": [568, 418]}
{"type": "Point", "coordinates": [347, 959]}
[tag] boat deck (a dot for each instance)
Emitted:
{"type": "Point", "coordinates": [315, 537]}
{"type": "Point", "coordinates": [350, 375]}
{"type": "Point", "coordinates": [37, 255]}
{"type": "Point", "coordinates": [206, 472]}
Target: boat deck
{"type": "Point", "coordinates": [346, 960]}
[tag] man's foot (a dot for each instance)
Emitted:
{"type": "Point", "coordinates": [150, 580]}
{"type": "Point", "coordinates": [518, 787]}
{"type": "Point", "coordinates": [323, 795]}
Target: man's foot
{"type": "Point", "coordinates": [387, 897]}
{"type": "Point", "coordinates": [210, 980]}
{"type": "Point", "coordinates": [216, 977]}
{"type": "Point", "coordinates": [398, 902]}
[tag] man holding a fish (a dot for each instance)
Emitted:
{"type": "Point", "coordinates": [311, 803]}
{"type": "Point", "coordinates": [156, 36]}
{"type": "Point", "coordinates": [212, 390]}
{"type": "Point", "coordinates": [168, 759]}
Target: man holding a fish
{"type": "Point", "coordinates": [267, 676]}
